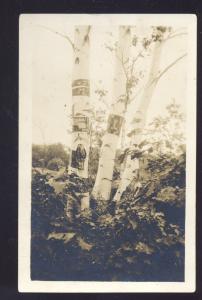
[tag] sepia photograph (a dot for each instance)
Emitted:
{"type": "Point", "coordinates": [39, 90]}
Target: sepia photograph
{"type": "Point", "coordinates": [107, 137]}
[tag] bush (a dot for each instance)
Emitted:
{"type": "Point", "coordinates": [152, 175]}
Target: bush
{"type": "Point", "coordinates": [42, 154]}
{"type": "Point", "coordinates": [55, 164]}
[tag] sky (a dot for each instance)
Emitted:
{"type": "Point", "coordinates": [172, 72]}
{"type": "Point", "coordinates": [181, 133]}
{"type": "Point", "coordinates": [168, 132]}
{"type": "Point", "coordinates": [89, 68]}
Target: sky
{"type": "Point", "coordinates": [50, 66]}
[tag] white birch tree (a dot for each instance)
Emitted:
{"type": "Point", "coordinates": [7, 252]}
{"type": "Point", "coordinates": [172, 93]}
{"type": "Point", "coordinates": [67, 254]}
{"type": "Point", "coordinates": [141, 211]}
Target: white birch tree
{"type": "Point", "coordinates": [102, 187]}
{"type": "Point", "coordinates": [123, 86]}
{"type": "Point", "coordinates": [81, 108]}
{"type": "Point", "coordinates": [132, 161]}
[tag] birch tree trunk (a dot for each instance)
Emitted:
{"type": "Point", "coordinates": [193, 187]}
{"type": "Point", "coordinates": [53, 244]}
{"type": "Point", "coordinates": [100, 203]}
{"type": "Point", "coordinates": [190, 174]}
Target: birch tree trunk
{"type": "Point", "coordinates": [102, 187]}
{"type": "Point", "coordinates": [81, 108]}
{"type": "Point", "coordinates": [131, 169]}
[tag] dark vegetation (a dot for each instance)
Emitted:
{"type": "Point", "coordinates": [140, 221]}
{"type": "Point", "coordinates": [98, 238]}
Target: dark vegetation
{"type": "Point", "coordinates": [51, 156]}
{"type": "Point", "coordinates": [140, 239]}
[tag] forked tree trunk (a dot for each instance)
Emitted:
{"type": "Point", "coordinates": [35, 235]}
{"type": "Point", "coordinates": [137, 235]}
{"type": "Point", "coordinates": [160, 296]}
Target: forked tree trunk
{"type": "Point", "coordinates": [102, 187]}
{"type": "Point", "coordinates": [131, 169]}
{"type": "Point", "coordinates": [81, 108]}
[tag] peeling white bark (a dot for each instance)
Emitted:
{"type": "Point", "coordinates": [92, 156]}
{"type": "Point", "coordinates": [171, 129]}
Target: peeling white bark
{"type": "Point", "coordinates": [81, 108]}
{"type": "Point", "coordinates": [102, 187]}
{"type": "Point", "coordinates": [132, 166]}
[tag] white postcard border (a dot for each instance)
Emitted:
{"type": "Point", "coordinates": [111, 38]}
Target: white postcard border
{"type": "Point", "coordinates": [25, 284]}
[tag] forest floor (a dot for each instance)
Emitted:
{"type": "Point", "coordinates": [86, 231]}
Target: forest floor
{"type": "Point", "coordinates": [142, 241]}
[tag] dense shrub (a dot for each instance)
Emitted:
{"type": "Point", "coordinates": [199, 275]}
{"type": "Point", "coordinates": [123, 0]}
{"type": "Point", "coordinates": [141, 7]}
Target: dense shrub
{"type": "Point", "coordinates": [140, 240]}
{"type": "Point", "coordinates": [42, 154]}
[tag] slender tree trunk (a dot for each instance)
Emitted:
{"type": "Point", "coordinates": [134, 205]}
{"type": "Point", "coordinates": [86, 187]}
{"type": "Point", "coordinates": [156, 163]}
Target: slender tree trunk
{"type": "Point", "coordinates": [81, 109]}
{"type": "Point", "coordinates": [102, 187]}
{"type": "Point", "coordinates": [131, 169]}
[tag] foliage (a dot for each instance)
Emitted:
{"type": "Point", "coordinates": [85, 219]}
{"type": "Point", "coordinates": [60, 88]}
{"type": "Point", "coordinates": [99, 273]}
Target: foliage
{"type": "Point", "coordinates": [55, 164]}
{"type": "Point", "coordinates": [42, 154]}
{"type": "Point", "coordinates": [99, 117]}
{"type": "Point", "coordinates": [142, 239]}
{"type": "Point", "coordinates": [166, 133]}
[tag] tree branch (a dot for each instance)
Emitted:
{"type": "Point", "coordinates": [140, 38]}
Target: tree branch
{"type": "Point", "coordinates": [175, 35]}
{"type": "Point", "coordinates": [60, 34]}
{"type": "Point", "coordinates": [123, 65]}
{"type": "Point", "coordinates": [167, 68]}
{"type": "Point", "coordinates": [156, 79]}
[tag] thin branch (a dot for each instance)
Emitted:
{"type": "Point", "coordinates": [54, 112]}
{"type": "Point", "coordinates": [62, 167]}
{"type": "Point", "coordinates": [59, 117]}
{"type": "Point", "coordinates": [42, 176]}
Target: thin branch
{"type": "Point", "coordinates": [156, 79]}
{"type": "Point", "coordinates": [86, 37]}
{"type": "Point", "coordinates": [60, 34]}
{"type": "Point", "coordinates": [134, 61]}
{"type": "Point", "coordinates": [167, 68]}
{"type": "Point", "coordinates": [174, 35]}
{"type": "Point", "coordinates": [132, 67]}
{"type": "Point", "coordinates": [140, 54]}
{"type": "Point", "coordinates": [89, 28]}
{"type": "Point", "coordinates": [123, 64]}
{"type": "Point", "coordinates": [178, 29]}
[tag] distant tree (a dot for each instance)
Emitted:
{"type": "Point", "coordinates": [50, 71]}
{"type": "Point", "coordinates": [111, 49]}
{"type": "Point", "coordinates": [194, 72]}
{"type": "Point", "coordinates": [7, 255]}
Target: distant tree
{"type": "Point", "coordinates": [38, 155]}
{"type": "Point", "coordinates": [166, 133]}
{"type": "Point", "coordinates": [56, 151]}
{"type": "Point", "coordinates": [42, 154]}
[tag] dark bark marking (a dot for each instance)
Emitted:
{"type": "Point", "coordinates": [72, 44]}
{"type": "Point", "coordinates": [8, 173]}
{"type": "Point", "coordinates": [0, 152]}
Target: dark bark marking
{"type": "Point", "coordinates": [80, 124]}
{"type": "Point", "coordinates": [114, 124]}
